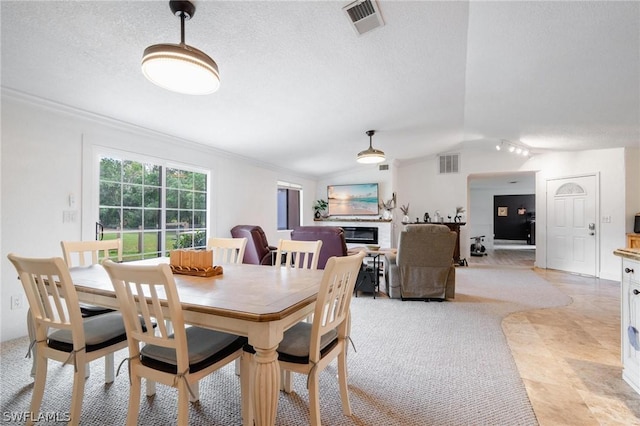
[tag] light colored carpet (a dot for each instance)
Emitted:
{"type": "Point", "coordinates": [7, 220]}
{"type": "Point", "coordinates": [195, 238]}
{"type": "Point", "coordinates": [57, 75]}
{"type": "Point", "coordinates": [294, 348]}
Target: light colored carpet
{"type": "Point", "coordinates": [416, 363]}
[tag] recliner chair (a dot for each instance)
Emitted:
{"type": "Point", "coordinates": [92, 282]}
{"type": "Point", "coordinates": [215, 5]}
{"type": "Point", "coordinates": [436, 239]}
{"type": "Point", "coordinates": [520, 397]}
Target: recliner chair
{"type": "Point", "coordinates": [332, 237]}
{"type": "Point", "coordinates": [423, 267]}
{"type": "Point", "coordinates": [258, 250]}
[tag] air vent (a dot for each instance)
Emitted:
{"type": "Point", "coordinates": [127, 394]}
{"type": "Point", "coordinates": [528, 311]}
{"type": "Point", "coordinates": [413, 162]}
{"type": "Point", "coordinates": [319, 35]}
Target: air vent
{"type": "Point", "coordinates": [364, 15]}
{"type": "Point", "coordinates": [449, 163]}
{"type": "Point", "coordinates": [383, 167]}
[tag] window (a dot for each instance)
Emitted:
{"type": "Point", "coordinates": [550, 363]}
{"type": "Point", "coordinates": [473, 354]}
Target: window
{"type": "Point", "coordinates": [154, 208]}
{"type": "Point", "coordinates": [289, 196]}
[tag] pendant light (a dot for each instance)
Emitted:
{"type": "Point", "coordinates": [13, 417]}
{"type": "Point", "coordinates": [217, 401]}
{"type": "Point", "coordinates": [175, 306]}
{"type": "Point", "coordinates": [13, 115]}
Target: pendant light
{"type": "Point", "coordinates": [370, 155]}
{"type": "Point", "coordinates": [179, 67]}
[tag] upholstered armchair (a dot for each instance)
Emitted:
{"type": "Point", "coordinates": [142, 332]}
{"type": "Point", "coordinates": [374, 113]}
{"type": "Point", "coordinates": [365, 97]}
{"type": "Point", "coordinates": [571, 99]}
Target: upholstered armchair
{"type": "Point", "coordinates": [258, 250]}
{"type": "Point", "coordinates": [423, 267]}
{"type": "Point", "coordinates": [332, 237]}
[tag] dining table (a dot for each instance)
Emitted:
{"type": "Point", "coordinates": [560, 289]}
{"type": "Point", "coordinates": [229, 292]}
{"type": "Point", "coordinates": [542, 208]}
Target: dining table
{"type": "Point", "coordinates": [259, 302]}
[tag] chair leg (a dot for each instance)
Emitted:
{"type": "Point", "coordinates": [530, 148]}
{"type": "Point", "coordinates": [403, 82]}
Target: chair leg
{"type": "Point", "coordinates": [134, 400]}
{"type": "Point", "coordinates": [38, 388]}
{"type": "Point", "coordinates": [109, 367]}
{"type": "Point", "coordinates": [245, 389]}
{"type": "Point", "coordinates": [314, 399]}
{"type": "Point", "coordinates": [195, 388]}
{"type": "Point", "coordinates": [286, 381]}
{"type": "Point", "coordinates": [343, 379]}
{"type": "Point", "coordinates": [78, 390]}
{"type": "Point", "coordinates": [150, 387]}
{"type": "Point", "coordinates": [32, 337]}
{"type": "Point", "coordinates": [183, 403]}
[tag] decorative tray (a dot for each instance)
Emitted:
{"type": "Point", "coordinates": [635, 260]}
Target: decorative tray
{"type": "Point", "coordinates": [197, 272]}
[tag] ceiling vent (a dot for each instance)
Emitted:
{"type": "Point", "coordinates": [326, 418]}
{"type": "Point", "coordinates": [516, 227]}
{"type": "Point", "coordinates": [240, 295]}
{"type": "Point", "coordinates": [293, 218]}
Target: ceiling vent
{"type": "Point", "coordinates": [364, 15]}
{"type": "Point", "coordinates": [449, 163]}
{"type": "Point", "coordinates": [383, 167]}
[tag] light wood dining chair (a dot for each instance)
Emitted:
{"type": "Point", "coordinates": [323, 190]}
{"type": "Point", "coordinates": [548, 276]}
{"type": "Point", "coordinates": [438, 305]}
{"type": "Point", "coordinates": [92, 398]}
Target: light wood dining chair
{"type": "Point", "coordinates": [298, 254]}
{"type": "Point", "coordinates": [91, 252]}
{"type": "Point", "coordinates": [308, 348]}
{"type": "Point", "coordinates": [177, 360]}
{"type": "Point", "coordinates": [227, 250]}
{"type": "Point", "coordinates": [60, 331]}
{"type": "Point", "coordinates": [301, 255]}
{"type": "Point", "coordinates": [85, 253]}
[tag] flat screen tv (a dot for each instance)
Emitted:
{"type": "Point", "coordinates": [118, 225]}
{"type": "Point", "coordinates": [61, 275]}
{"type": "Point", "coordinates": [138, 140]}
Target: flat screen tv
{"type": "Point", "coordinates": [359, 199]}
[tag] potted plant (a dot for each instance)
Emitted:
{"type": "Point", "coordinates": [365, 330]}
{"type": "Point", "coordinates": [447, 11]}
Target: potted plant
{"type": "Point", "coordinates": [405, 212]}
{"type": "Point", "coordinates": [320, 208]}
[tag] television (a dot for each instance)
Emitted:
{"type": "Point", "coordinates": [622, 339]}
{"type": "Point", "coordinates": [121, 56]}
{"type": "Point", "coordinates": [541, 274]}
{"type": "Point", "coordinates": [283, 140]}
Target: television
{"type": "Point", "coordinates": [360, 199]}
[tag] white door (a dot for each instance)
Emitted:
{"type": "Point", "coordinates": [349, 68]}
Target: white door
{"type": "Point", "coordinates": [571, 224]}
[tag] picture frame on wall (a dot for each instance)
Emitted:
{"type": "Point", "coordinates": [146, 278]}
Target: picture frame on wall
{"type": "Point", "coordinates": [503, 211]}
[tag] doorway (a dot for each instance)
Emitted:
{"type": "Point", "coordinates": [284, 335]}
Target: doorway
{"type": "Point", "coordinates": [482, 190]}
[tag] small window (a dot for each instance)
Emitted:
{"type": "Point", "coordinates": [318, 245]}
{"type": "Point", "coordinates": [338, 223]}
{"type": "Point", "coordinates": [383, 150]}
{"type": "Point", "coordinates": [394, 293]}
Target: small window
{"type": "Point", "coordinates": [289, 197]}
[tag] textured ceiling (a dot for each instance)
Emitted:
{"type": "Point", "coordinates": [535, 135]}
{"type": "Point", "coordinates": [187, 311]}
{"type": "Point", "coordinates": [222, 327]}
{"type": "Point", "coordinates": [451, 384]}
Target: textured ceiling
{"type": "Point", "coordinates": [299, 88]}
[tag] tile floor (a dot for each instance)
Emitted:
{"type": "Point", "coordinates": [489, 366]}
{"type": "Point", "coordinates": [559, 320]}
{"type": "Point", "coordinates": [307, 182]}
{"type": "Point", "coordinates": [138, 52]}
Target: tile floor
{"type": "Point", "coordinates": [569, 357]}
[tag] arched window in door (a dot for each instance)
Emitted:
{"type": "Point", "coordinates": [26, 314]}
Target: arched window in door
{"type": "Point", "coordinates": [570, 188]}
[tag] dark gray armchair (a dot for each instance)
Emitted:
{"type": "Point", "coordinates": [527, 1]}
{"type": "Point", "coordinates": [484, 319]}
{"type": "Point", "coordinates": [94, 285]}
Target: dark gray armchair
{"type": "Point", "coordinates": [423, 267]}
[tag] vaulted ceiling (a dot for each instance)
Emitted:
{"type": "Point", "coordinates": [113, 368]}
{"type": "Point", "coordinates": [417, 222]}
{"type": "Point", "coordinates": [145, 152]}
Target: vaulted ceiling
{"type": "Point", "coordinates": [299, 88]}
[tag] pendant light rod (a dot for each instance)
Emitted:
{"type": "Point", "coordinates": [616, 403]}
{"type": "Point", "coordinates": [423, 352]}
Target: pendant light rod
{"type": "Point", "coordinates": [370, 133]}
{"type": "Point", "coordinates": [185, 10]}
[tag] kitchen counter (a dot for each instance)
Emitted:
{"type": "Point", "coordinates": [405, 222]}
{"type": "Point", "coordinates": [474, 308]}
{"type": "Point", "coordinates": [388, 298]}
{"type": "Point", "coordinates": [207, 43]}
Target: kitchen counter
{"type": "Point", "coordinates": [628, 253]}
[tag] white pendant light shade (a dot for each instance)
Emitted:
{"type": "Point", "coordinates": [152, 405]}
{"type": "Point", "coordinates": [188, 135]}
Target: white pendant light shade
{"type": "Point", "coordinates": [180, 68]}
{"type": "Point", "coordinates": [370, 155]}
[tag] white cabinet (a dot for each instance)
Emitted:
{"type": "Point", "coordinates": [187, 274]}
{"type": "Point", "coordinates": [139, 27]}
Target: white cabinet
{"type": "Point", "coordinates": [630, 321]}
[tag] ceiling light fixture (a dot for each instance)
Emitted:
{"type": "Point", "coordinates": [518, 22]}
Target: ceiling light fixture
{"type": "Point", "coordinates": [512, 148]}
{"type": "Point", "coordinates": [179, 67]}
{"type": "Point", "coordinates": [370, 155]}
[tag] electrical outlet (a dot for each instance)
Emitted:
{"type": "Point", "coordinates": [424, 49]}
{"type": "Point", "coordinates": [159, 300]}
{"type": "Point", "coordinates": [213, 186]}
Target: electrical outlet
{"type": "Point", "coordinates": [16, 302]}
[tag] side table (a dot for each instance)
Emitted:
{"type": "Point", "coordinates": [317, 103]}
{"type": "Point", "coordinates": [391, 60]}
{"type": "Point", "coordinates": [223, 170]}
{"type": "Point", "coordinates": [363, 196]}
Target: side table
{"type": "Point", "coordinates": [368, 280]}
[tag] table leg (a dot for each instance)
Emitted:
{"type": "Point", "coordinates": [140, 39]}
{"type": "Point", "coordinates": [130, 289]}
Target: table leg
{"type": "Point", "coordinates": [266, 386]}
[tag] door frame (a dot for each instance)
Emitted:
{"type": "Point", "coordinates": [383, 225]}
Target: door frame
{"type": "Point", "coordinates": [596, 175]}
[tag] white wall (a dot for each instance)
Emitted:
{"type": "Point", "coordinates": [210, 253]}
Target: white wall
{"type": "Point", "coordinates": [42, 163]}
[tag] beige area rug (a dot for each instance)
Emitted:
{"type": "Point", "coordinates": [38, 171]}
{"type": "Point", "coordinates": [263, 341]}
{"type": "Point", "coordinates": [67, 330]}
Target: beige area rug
{"type": "Point", "coordinates": [416, 363]}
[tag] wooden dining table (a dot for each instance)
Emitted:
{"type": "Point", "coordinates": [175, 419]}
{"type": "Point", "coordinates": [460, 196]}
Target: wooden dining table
{"type": "Point", "coordinates": [259, 302]}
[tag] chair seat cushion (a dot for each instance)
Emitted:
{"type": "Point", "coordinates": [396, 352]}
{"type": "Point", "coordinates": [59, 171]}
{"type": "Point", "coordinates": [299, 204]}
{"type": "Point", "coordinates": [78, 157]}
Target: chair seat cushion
{"type": "Point", "coordinates": [205, 347]}
{"type": "Point", "coordinates": [100, 331]}
{"type": "Point", "coordinates": [92, 310]}
{"type": "Point", "coordinates": [296, 343]}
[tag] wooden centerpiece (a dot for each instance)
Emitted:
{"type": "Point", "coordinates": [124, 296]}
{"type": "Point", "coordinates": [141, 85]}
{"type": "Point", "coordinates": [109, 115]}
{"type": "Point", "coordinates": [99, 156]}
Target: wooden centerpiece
{"type": "Point", "coordinates": [193, 262]}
